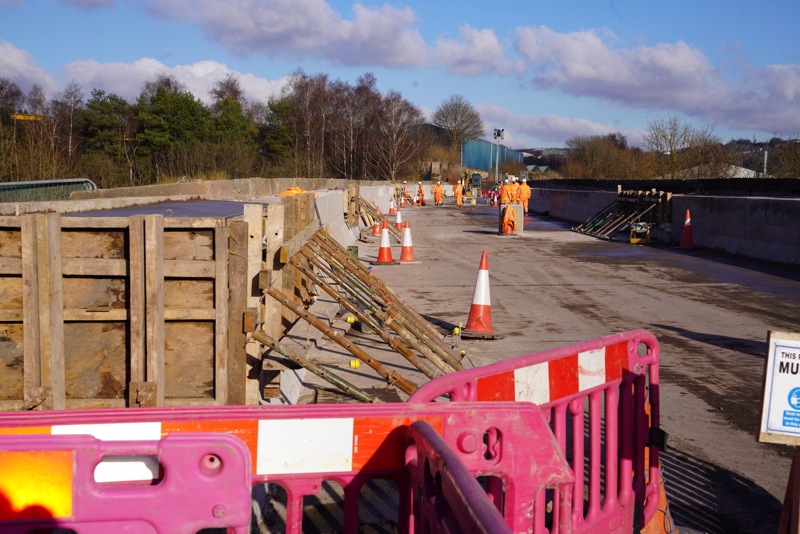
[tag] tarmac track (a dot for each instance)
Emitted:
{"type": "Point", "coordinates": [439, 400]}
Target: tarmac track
{"type": "Point", "coordinates": [710, 312]}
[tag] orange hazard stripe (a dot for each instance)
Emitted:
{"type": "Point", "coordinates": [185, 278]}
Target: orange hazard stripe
{"type": "Point", "coordinates": [36, 484]}
{"type": "Point", "coordinates": [246, 430]}
{"type": "Point", "coordinates": [378, 441]}
{"type": "Point", "coordinates": [497, 388]}
{"type": "Point", "coordinates": [25, 430]}
{"type": "Point", "coordinates": [564, 379]}
{"type": "Point", "coordinates": [616, 360]}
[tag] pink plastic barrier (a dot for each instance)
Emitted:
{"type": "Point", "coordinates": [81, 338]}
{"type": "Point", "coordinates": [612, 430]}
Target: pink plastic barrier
{"type": "Point", "coordinates": [444, 496]}
{"type": "Point", "coordinates": [91, 486]}
{"type": "Point", "coordinates": [593, 394]}
{"type": "Point", "coordinates": [300, 447]}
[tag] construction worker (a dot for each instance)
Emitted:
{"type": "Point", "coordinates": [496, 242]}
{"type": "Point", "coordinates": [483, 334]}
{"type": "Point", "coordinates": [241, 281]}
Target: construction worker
{"type": "Point", "coordinates": [458, 191]}
{"type": "Point", "coordinates": [406, 197]}
{"type": "Point", "coordinates": [421, 194]}
{"type": "Point", "coordinates": [438, 194]}
{"type": "Point", "coordinates": [524, 195]}
{"type": "Point", "coordinates": [505, 194]}
{"type": "Point", "coordinates": [513, 190]}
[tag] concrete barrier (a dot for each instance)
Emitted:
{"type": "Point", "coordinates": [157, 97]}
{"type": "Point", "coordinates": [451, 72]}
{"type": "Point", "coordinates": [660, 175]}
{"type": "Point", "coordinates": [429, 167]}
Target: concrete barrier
{"type": "Point", "coordinates": [765, 228]}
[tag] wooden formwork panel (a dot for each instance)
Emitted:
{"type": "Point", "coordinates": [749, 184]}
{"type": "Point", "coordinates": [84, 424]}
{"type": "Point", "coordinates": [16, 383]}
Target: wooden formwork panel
{"type": "Point", "coordinates": [115, 311]}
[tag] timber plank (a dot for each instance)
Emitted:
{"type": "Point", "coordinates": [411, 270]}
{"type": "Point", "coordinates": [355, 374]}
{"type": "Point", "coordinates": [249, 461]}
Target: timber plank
{"type": "Point", "coordinates": [95, 365]}
{"type": "Point", "coordinates": [95, 294]}
{"type": "Point", "coordinates": [51, 334]}
{"type": "Point", "coordinates": [154, 303]}
{"type": "Point", "coordinates": [136, 301]}
{"type": "Point", "coordinates": [94, 267]}
{"type": "Point", "coordinates": [12, 385]}
{"type": "Point", "coordinates": [221, 315]}
{"type": "Point", "coordinates": [237, 303]}
{"type": "Point", "coordinates": [197, 244]}
{"type": "Point", "coordinates": [188, 293]}
{"type": "Point", "coordinates": [30, 309]}
{"type": "Point", "coordinates": [93, 243]}
{"type": "Point", "coordinates": [189, 359]}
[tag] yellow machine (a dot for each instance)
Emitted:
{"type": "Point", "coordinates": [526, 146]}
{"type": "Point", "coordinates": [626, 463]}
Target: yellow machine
{"type": "Point", "coordinates": [640, 233]}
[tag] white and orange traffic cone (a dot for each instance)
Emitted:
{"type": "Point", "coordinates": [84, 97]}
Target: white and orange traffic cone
{"type": "Point", "coordinates": [479, 322]}
{"type": "Point", "coordinates": [376, 228]}
{"type": "Point", "coordinates": [686, 238]}
{"type": "Point", "coordinates": [398, 221]}
{"type": "Point", "coordinates": [391, 206]}
{"type": "Point", "coordinates": [385, 250]}
{"type": "Point", "coordinates": [407, 252]}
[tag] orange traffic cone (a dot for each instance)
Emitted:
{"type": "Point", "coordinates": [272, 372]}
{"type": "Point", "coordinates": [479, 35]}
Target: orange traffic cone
{"type": "Point", "coordinates": [479, 322]}
{"type": "Point", "coordinates": [376, 228]}
{"type": "Point", "coordinates": [385, 251]}
{"type": "Point", "coordinates": [391, 206]}
{"type": "Point", "coordinates": [686, 238]}
{"type": "Point", "coordinates": [398, 221]}
{"type": "Point", "coordinates": [407, 252]}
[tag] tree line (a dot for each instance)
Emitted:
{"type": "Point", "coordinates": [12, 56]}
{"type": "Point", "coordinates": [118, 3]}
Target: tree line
{"type": "Point", "coordinates": [673, 148]}
{"type": "Point", "coordinates": [317, 127]}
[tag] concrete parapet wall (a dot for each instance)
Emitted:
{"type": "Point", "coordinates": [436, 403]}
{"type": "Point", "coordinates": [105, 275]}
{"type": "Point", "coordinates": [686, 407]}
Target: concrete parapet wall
{"type": "Point", "coordinates": [758, 227]}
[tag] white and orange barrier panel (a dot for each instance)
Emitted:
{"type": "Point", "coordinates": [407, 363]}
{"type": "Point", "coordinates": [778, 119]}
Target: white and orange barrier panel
{"type": "Point", "coordinates": [300, 448]}
{"type": "Point", "coordinates": [592, 393]}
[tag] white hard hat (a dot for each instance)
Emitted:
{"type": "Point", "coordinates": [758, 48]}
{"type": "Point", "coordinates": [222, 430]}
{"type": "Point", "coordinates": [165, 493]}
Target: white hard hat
{"type": "Point", "coordinates": [405, 182]}
{"type": "Point", "coordinates": [524, 179]}
{"type": "Point", "coordinates": [420, 183]}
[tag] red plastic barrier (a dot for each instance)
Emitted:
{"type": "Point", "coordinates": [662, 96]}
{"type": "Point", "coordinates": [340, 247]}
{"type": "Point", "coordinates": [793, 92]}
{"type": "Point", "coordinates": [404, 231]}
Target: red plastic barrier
{"type": "Point", "coordinates": [300, 447]}
{"type": "Point", "coordinates": [592, 393]}
{"type": "Point", "coordinates": [47, 482]}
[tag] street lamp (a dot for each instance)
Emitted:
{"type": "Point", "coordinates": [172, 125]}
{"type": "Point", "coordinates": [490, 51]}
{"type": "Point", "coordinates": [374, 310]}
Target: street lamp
{"type": "Point", "coordinates": [498, 134]}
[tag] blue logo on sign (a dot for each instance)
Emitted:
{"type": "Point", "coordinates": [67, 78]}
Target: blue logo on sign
{"type": "Point", "coordinates": [794, 398]}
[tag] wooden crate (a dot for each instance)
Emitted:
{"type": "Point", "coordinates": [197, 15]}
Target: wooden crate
{"type": "Point", "coordinates": [143, 310]}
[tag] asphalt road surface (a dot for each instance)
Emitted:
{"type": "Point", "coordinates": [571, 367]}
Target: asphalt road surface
{"type": "Point", "coordinates": [710, 312]}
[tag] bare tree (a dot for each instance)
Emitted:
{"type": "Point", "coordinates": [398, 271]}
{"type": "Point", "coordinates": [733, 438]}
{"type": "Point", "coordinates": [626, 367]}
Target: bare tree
{"type": "Point", "coordinates": [66, 107]}
{"type": "Point", "coordinates": [460, 121]}
{"type": "Point", "coordinates": [684, 151]}
{"type": "Point", "coordinates": [228, 89]}
{"type": "Point", "coordinates": [399, 138]}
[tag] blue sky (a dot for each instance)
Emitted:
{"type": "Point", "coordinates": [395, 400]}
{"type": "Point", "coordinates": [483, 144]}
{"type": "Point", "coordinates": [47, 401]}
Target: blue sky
{"type": "Point", "coordinates": [543, 71]}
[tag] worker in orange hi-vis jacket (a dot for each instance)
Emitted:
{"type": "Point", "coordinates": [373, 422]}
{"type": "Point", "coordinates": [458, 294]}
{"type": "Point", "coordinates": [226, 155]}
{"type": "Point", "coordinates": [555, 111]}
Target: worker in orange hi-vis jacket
{"type": "Point", "coordinates": [406, 197]}
{"type": "Point", "coordinates": [505, 194]}
{"type": "Point", "coordinates": [524, 195]}
{"type": "Point", "coordinates": [513, 190]}
{"type": "Point", "coordinates": [438, 194]}
{"type": "Point", "coordinates": [458, 191]}
{"type": "Point", "coordinates": [421, 194]}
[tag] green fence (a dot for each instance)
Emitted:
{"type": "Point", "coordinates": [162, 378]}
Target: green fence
{"type": "Point", "coordinates": [40, 190]}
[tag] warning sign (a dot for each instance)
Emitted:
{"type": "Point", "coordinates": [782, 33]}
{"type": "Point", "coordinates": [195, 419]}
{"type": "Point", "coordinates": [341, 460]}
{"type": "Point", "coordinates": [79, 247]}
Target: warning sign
{"type": "Point", "coordinates": [780, 408]}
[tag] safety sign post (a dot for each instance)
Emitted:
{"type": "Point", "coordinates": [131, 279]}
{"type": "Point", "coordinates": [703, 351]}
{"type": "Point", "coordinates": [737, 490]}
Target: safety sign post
{"type": "Point", "coordinates": [780, 408]}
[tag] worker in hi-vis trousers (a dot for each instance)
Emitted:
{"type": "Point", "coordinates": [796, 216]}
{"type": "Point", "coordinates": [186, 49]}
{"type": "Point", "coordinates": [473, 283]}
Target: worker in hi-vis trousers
{"type": "Point", "coordinates": [458, 191]}
{"type": "Point", "coordinates": [513, 190]}
{"type": "Point", "coordinates": [524, 195]}
{"type": "Point", "coordinates": [505, 196]}
{"type": "Point", "coordinates": [421, 194]}
{"type": "Point", "coordinates": [438, 193]}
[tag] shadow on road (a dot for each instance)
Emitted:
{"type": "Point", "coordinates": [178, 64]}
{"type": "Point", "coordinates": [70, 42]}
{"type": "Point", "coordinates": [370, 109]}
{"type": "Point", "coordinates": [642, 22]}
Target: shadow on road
{"type": "Point", "coordinates": [745, 346]}
{"type": "Point", "coordinates": [709, 499]}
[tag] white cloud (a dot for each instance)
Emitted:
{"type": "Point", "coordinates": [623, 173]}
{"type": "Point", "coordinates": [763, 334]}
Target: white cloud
{"type": "Point", "coordinates": [549, 128]}
{"type": "Point", "coordinates": [299, 28]}
{"type": "Point", "coordinates": [669, 76]}
{"type": "Point", "coordinates": [478, 52]}
{"type": "Point", "coordinates": [19, 66]}
{"type": "Point", "coordinates": [127, 79]}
